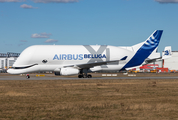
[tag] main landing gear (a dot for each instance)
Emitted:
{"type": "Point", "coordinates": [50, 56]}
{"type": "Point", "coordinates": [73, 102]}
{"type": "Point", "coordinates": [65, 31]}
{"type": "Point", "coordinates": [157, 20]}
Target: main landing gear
{"type": "Point", "coordinates": [83, 73]}
{"type": "Point", "coordinates": [27, 76]}
{"type": "Point", "coordinates": [84, 76]}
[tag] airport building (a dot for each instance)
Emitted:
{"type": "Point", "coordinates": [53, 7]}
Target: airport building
{"type": "Point", "coordinates": [7, 60]}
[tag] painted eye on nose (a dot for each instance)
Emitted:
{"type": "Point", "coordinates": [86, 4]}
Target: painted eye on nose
{"type": "Point", "coordinates": [44, 61]}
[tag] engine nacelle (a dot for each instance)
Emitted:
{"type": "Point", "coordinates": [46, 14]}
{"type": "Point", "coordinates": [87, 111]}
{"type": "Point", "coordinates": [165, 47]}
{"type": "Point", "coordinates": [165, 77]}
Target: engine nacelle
{"type": "Point", "coordinates": [66, 71]}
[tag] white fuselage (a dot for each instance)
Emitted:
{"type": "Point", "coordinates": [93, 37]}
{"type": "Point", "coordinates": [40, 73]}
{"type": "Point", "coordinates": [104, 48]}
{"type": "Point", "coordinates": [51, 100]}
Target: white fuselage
{"type": "Point", "coordinates": [58, 56]}
{"type": "Point", "coordinates": [79, 59]}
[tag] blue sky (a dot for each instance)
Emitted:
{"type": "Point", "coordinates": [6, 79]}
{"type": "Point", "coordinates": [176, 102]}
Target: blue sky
{"type": "Point", "coordinates": [86, 22]}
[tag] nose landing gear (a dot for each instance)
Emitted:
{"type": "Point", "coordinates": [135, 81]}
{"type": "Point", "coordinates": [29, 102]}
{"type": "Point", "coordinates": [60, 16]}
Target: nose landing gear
{"type": "Point", "coordinates": [27, 76]}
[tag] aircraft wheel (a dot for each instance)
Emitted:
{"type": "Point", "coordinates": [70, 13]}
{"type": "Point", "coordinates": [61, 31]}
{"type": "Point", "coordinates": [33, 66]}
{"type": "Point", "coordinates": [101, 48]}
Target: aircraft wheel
{"type": "Point", "coordinates": [89, 76]}
{"type": "Point", "coordinates": [28, 76]}
{"type": "Point", "coordinates": [80, 76]}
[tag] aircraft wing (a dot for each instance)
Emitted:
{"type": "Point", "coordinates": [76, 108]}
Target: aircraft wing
{"type": "Point", "coordinates": [90, 65]}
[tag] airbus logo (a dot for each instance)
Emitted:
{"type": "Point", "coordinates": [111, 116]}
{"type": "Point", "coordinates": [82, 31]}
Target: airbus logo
{"type": "Point", "coordinates": [166, 52]}
{"type": "Point", "coordinates": [77, 56]}
{"type": "Point", "coordinates": [94, 56]}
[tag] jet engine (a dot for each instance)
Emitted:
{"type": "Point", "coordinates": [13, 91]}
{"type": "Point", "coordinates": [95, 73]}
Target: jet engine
{"type": "Point", "coordinates": [66, 71]}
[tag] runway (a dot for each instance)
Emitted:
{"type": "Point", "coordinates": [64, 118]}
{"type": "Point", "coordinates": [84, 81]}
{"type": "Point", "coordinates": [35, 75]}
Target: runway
{"type": "Point", "coordinates": [75, 78]}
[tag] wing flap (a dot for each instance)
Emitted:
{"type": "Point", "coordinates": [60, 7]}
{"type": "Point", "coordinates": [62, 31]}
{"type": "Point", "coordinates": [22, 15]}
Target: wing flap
{"type": "Point", "coordinates": [90, 65]}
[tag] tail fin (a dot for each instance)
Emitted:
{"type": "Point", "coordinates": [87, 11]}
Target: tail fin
{"type": "Point", "coordinates": [144, 49]}
{"type": "Point", "coordinates": [152, 42]}
{"type": "Point", "coordinates": [167, 52]}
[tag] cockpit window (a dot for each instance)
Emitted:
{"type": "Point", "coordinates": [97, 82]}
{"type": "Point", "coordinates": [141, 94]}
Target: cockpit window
{"type": "Point", "coordinates": [24, 67]}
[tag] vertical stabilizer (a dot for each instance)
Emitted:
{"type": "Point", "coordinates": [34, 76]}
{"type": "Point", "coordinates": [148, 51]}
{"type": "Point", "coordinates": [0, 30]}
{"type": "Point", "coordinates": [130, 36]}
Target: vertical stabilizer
{"type": "Point", "coordinates": [144, 49]}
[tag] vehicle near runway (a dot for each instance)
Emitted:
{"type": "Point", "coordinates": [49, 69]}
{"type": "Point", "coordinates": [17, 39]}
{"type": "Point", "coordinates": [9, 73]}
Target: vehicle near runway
{"type": "Point", "coordinates": [83, 59]}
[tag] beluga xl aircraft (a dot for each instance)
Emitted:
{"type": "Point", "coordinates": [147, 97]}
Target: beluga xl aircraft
{"type": "Point", "coordinates": [83, 59]}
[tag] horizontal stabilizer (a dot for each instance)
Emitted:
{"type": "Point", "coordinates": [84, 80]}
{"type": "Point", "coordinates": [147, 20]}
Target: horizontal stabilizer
{"type": "Point", "coordinates": [124, 58]}
{"type": "Point", "coordinates": [167, 54]}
